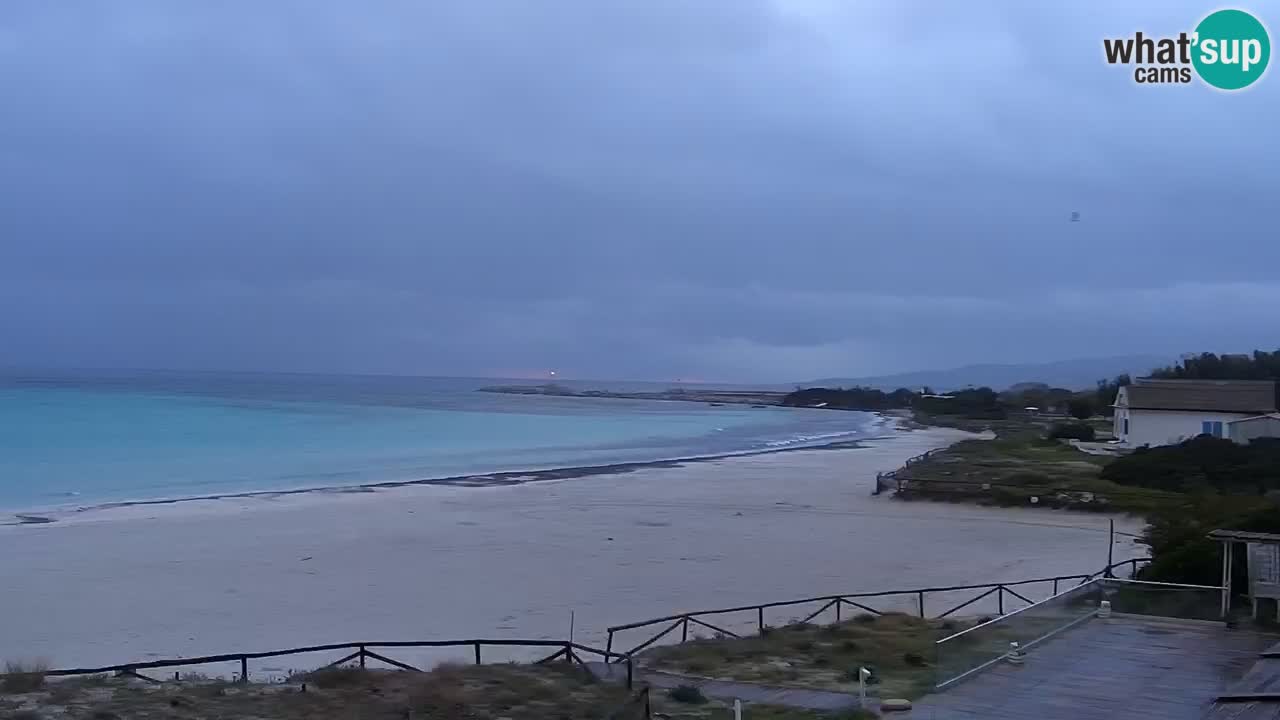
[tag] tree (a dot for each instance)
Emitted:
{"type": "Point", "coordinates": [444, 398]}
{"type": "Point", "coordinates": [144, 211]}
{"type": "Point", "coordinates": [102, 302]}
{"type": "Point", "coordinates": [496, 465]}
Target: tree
{"type": "Point", "coordinates": [1080, 408]}
{"type": "Point", "coordinates": [1260, 365]}
{"type": "Point", "coordinates": [1105, 395]}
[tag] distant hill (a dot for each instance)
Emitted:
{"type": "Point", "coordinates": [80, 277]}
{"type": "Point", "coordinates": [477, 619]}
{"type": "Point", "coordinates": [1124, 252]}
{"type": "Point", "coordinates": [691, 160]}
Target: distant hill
{"type": "Point", "coordinates": [1072, 374]}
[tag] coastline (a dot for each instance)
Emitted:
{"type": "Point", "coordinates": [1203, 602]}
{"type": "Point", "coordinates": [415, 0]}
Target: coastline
{"type": "Point", "coordinates": [48, 515]}
{"type": "Point", "coordinates": [509, 560]}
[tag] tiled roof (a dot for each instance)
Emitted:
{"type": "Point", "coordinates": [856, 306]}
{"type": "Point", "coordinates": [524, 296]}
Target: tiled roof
{"type": "Point", "coordinates": [1256, 397]}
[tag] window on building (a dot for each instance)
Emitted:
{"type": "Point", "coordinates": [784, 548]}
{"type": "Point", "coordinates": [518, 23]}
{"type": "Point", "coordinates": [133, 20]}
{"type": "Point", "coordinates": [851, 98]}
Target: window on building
{"type": "Point", "coordinates": [1211, 427]}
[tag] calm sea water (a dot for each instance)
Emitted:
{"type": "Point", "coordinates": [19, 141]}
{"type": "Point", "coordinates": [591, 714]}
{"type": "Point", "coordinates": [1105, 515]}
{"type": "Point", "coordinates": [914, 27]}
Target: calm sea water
{"type": "Point", "coordinates": [81, 439]}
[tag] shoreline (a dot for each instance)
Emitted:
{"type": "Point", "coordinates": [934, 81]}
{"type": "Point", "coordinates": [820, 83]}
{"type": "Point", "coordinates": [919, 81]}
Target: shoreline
{"type": "Point", "coordinates": [433, 561]}
{"type": "Point", "coordinates": [46, 516]}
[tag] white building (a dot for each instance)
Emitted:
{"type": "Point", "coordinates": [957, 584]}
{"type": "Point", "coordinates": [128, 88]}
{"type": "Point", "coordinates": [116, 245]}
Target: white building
{"type": "Point", "coordinates": [1165, 412]}
{"type": "Point", "coordinates": [1249, 429]}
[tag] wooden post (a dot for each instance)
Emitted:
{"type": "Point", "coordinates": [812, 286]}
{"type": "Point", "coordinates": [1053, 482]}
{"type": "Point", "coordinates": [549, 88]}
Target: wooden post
{"type": "Point", "coordinates": [684, 634]}
{"type": "Point", "coordinates": [921, 599]}
{"type": "Point", "coordinates": [1111, 545]}
{"type": "Point", "coordinates": [361, 657]}
{"type": "Point", "coordinates": [839, 602]}
{"type": "Point", "coordinates": [760, 611]}
{"type": "Point", "coordinates": [630, 680]}
{"type": "Point", "coordinates": [477, 653]}
{"type": "Point", "coordinates": [1226, 577]}
{"type": "Point", "coordinates": [1000, 595]}
{"type": "Point", "coordinates": [608, 647]}
{"type": "Point", "coordinates": [244, 669]}
{"type": "Point", "coordinates": [1055, 586]}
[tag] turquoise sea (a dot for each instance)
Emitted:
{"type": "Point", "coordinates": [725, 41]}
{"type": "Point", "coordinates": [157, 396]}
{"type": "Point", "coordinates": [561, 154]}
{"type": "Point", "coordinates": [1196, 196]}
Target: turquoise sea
{"type": "Point", "coordinates": [82, 439]}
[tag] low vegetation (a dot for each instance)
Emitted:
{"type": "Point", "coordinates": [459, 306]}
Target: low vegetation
{"type": "Point", "coordinates": [974, 403]}
{"type": "Point", "coordinates": [1202, 465]}
{"type": "Point", "coordinates": [1071, 431]}
{"type": "Point", "coordinates": [23, 677]}
{"type": "Point", "coordinates": [484, 692]}
{"type": "Point", "coordinates": [1022, 467]}
{"type": "Point", "coordinates": [897, 648]}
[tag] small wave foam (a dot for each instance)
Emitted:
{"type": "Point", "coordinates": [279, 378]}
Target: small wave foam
{"type": "Point", "coordinates": [818, 439]}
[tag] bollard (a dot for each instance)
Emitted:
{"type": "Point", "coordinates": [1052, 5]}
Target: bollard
{"type": "Point", "coordinates": [1015, 656]}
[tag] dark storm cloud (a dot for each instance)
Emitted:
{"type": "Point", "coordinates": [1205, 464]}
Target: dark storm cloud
{"type": "Point", "coordinates": [749, 190]}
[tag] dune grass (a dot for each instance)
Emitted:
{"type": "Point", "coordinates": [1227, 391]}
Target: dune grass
{"type": "Point", "coordinates": [23, 676]}
{"type": "Point", "coordinates": [897, 648]}
{"type": "Point", "coordinates": [1019, 465]}
{"type": "Point", "coordinates": [483, 692]}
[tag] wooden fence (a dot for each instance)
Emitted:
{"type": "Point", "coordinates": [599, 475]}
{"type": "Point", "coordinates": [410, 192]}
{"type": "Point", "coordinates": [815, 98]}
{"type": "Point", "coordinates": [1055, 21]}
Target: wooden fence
{"type": "Point", "coordinates": [564, 650]}
{"type": "Point", "coordinates": [885, 480]}
{"type": "Point", "coordinates": [1005, 594]}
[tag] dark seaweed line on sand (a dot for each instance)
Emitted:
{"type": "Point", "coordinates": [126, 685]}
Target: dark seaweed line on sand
{"type": "Point", "coordinates": [511, 477]}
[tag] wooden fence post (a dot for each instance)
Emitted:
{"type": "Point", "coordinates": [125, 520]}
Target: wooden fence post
{"type": "Point", "coordinates": [839, 602]}
{"type": "Point", "coordinates": [684, 634]}
{"type": "Point", "coordinates": [361, 657]}
{"type": "Point", "coordinates": [760, 611]}
{"type": "Point", "coordinates": [921, 598]}
{"type": "Point", "coordinates": [1000, 595]}
{"type": "Point", "coordinates": [244, 669]}
{"type": "Point", "coordinates": [477, 653]}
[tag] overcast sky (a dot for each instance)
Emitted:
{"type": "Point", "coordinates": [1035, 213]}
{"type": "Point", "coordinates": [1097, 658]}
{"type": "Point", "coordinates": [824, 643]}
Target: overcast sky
{"type": "Point", "coordinates": [736, 190]}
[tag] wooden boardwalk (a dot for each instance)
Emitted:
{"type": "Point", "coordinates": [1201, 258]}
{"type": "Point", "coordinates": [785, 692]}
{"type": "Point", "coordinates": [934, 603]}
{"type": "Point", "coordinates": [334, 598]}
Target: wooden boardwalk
{"type": "Point", "coordinates": [1125, 667]}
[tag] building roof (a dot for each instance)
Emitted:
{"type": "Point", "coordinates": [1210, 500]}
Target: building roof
{"type": "Point", "coordinates": [1253, 397]}
{"type": "Point", "coordinates": [1243, 536]}
{"type": "Point", "coordinates": [1256, 418]}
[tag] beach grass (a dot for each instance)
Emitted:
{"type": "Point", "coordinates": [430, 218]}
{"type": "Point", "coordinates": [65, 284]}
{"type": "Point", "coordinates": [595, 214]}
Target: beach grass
{"type": "Point", "coordinates": [22, 676]}
{"type": "Point", "coordinates": [477, 692]}
{"type": "Point", "coordinates": [1020, 468]}
{"type": "Point", "coordinates": [897, 648]}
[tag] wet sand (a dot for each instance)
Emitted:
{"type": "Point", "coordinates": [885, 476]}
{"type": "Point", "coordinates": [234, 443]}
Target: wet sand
{"type": "Point", "coordinates": [507, 560]}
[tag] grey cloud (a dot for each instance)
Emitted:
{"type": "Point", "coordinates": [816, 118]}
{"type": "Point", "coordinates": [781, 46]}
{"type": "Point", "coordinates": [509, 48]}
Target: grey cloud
{"type": "Point", "coordinates": [757, 190]}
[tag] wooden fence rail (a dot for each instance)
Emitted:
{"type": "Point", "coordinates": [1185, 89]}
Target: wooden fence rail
{"type": "Point", "coordinates": [886, 479]}
{"type": "Point", "coordinates": [835, 604]}
{"type": "Point", "coordinates": [564, 650]}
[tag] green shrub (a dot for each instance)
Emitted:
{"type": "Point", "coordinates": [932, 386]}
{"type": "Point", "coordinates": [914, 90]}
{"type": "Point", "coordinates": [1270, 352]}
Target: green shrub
{"type": "Point", "coordinates": [1071, 431]}
{"type": "Point", "coordinates": [1080, 408]}
{"type": "Point", "coordinates": [913, 659]}
{"type": "Point", "coordinates": [23, 677]}
{"type": "Point", "coordinates": [697, 667]}
{"type": "Point", "coordinates": [690, 694]}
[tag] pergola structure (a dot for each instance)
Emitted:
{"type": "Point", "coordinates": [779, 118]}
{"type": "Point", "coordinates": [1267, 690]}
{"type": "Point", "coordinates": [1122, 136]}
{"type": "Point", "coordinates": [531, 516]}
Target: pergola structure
{"type": "Point", "coordinates": [1263, 560]}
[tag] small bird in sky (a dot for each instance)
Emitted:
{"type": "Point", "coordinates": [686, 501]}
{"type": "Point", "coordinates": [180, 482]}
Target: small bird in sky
{"type": "Point", "coordinates": [1075, 216]}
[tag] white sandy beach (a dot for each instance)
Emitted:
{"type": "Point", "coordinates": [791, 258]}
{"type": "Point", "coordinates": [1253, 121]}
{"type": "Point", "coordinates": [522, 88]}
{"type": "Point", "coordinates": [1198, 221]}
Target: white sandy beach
{"type": "Point", "coordinates": [431, 562]}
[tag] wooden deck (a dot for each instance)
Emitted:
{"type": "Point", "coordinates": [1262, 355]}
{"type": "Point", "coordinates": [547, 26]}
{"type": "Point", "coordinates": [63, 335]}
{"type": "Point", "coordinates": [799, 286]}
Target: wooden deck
{"type": "Point", "coordinates": [1256, 696]}
{"type": "Point", "coordinates": [1123, 667]}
